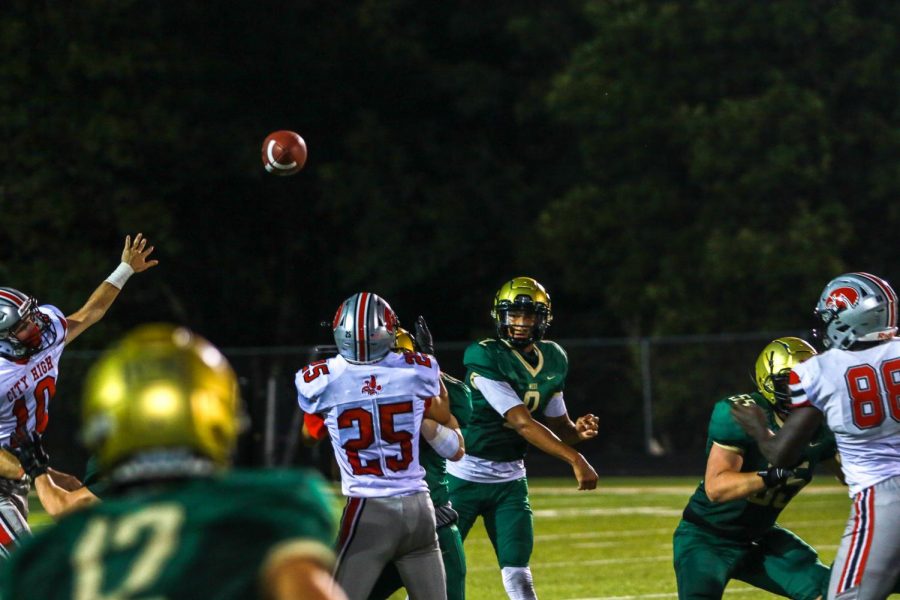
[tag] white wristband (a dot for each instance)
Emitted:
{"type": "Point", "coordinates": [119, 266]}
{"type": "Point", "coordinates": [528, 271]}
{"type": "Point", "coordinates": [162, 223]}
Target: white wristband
{"type": "Point", "coordinates": [445, 442]}
{"type": "Point", "coordinates": [118, 277]}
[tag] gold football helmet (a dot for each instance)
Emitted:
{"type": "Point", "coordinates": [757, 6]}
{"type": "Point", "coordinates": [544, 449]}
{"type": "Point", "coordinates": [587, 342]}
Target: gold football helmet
{"type": "Point", "coordinates": [404, 341]}
{"type": "Point", "coordinates": [773, 367]}
{"type": "Point", "coordinates": [523, 295]}
{"type": "Point", "coordinates": [165, 388]}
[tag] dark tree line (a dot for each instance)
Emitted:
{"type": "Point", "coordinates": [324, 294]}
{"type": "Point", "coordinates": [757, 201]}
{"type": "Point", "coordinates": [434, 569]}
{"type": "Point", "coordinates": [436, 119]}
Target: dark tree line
{"type": "Point", "coordinates": [664, 167]}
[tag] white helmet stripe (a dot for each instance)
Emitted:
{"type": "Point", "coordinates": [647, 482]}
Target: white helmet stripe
{"type": "Point", "coordinates": [889, 295]}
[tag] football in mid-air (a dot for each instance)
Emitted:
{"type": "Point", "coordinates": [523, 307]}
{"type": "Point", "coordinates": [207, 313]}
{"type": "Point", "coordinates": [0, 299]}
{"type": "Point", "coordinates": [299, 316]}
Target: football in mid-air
{"type": "Point", "coordinates": [283, 152]}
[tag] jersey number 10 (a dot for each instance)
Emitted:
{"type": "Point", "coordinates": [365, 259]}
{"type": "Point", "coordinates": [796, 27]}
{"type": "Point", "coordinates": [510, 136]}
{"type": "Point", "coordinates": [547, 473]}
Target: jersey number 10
{"type": "Point", "coordinates": [866, 398]}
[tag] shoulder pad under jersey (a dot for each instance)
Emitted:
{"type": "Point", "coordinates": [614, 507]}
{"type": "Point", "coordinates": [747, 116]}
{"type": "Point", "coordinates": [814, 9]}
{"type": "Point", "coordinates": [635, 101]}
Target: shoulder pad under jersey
{"type": "Point", "coordinates": [482, 358]}
{"type": "Point", "coordinates": [58, 321]}
{"type": "Point", "coordinates": [723, 429]}
{"type": "Point", "coordinates": [312, 380]}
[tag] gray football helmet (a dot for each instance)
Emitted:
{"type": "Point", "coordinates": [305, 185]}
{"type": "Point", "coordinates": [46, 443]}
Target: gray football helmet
{"type": "Point", "coordinates": [24, 330]}
{"type": "Point", "coordinates": [365, 328]}
{"type": "Point", "coordinates": [857, 307]}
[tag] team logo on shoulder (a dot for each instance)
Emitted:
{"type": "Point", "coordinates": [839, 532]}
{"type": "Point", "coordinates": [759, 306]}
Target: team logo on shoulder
{"type": "Point", "coordinates": [371, 387]}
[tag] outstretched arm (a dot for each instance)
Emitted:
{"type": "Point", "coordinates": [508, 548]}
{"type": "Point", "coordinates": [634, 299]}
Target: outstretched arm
{"type": "Point", "coordinates": [785, 448]}
{"type": "Point", "coordinates": [56, 499]}
{"type": "Point", "coordinates": [134, 260]}
{"type": "Point", "coordinates": [538, 435]}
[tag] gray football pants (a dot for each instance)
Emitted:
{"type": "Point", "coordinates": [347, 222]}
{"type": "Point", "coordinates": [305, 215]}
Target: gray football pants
{"type": "Point", "coordinates": [13, 521]}
{"type": "Point", "coordinates": [377, 531]}
{"type": "Point", "coordinates": [867, 565]}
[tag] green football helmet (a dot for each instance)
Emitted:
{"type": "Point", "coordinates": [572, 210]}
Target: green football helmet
{"type": "Point", "coordinates": [773, 368]}
{"type": "Point", "coordinates": [161, 391]}
{"type": "Point", "coordinates": [522, 295]}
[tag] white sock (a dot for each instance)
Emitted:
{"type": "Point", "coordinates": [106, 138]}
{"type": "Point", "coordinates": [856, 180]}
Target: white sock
{"type": "Point", "coordinates": [518, 583]}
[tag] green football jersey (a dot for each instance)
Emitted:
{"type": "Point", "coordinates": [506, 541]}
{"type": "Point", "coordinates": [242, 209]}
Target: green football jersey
{"type": "Point", "coordinates": [436, 465]}
{"type": "Point", "coordinates": [747, 518]}
{"type": "Point", "coordinates": [487, 435]}
{"type": "Point", "coordinates": [201, 538]}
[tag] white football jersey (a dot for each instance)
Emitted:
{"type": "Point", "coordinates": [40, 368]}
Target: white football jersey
{"type": "Point", "coordinates": [859, 393]}
{"type": "Point", "coordinates": [28, 385]}
{"type": "Point", "coordinates": [373, 413]}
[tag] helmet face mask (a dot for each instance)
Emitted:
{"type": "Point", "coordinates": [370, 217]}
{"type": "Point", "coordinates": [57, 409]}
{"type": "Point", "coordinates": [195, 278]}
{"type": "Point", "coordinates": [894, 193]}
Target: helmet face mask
{"type": "Point", "coordinates": [522, 312]}
{"type": "Point", "coordinates": [773, 369]}
{"type": "Point", "coordinates": [854, 308]}
{"type": "Point", "coordinates": [364, 328]}
{"type": "Point", "coordinates": [24, 330]}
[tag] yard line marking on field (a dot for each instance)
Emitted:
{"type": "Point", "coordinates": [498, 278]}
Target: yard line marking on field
{"type": "Point", "coordinates": [652, 511]}
{"type": "Point", "coordinates": [663, 595]}
{"type": "Point", "coordinates": [580, 563]}
{"type": "Point", "coordinates": [813, 523]}
{"type": "Point", "coordinates": [666, 490]}
{"type": "Point", "coordinates": [601, 534]}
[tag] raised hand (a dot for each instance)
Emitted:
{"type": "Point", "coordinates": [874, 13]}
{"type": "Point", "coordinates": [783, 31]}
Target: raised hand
{"type": "Point", "coordinates": [135, 253]}
{"type": "Point", "coordinates": [424, 341]}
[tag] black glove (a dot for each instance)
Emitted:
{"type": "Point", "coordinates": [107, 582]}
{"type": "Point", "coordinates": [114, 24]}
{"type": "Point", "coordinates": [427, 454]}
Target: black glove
{"type": "Point", "coordinates": [423, 336]}
{"type": "Point", "coordinates": [775, 476]}
{"type": "Point", "coordinates": [30, 452]}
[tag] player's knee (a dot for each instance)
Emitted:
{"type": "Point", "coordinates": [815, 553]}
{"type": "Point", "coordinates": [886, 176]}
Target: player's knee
{"type": "Point", "coordinates": [518, 583]}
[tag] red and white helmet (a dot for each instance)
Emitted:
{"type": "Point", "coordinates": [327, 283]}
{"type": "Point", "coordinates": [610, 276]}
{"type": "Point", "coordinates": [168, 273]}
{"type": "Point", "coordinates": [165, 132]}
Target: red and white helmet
{"type": "Point", "coordinates": [364, 328]}
{"type": "Point", "coordinates": [857, 307]}
{"type": "Point", "coordinates": [23, 329]}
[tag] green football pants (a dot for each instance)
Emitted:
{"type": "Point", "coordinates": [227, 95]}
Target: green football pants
{"type": "Point", "coordinates": [779, 562]}
{"type": "Point", "coordinates": [451, 545]}
{"type": "Point", "coordinates": [506, 513]}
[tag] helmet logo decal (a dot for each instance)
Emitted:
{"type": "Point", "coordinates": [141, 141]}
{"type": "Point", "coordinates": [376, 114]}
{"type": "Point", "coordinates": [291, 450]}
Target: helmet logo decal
{"type": "Point", "coordinates": [841, 298]}
{"type": "Point", "coordinates": [371, 386]}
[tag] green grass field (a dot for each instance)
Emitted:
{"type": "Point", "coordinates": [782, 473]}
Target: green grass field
{"type": "Point", "coordinates": [617, 542]}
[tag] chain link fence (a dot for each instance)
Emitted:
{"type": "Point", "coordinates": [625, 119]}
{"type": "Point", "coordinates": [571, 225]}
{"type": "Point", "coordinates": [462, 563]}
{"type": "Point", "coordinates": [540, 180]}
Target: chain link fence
{"type": "Point", "coordinates": [653, 397]}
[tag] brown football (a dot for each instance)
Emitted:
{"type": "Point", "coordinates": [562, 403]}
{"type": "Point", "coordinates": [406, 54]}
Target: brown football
{"type": "Point", "coordinates": [283, 152]}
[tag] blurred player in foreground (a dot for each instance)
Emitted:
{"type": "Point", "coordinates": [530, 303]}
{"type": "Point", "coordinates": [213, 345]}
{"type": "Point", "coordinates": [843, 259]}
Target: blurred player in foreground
{"type": "Point", "coordinates": [161, 411]}
{"type": "Point", "coordinates": [854, 387]}
{"type": "Point", "coordinates": [373, 402]}
{"type": "Point", "coordinates": [32, 339]}
{"type": "Point", "coordinates": [728, 530]}
{"type": "Point", "coordinates": [515, 379]}
{"type": "Point", "coordinates": [434, 457]}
